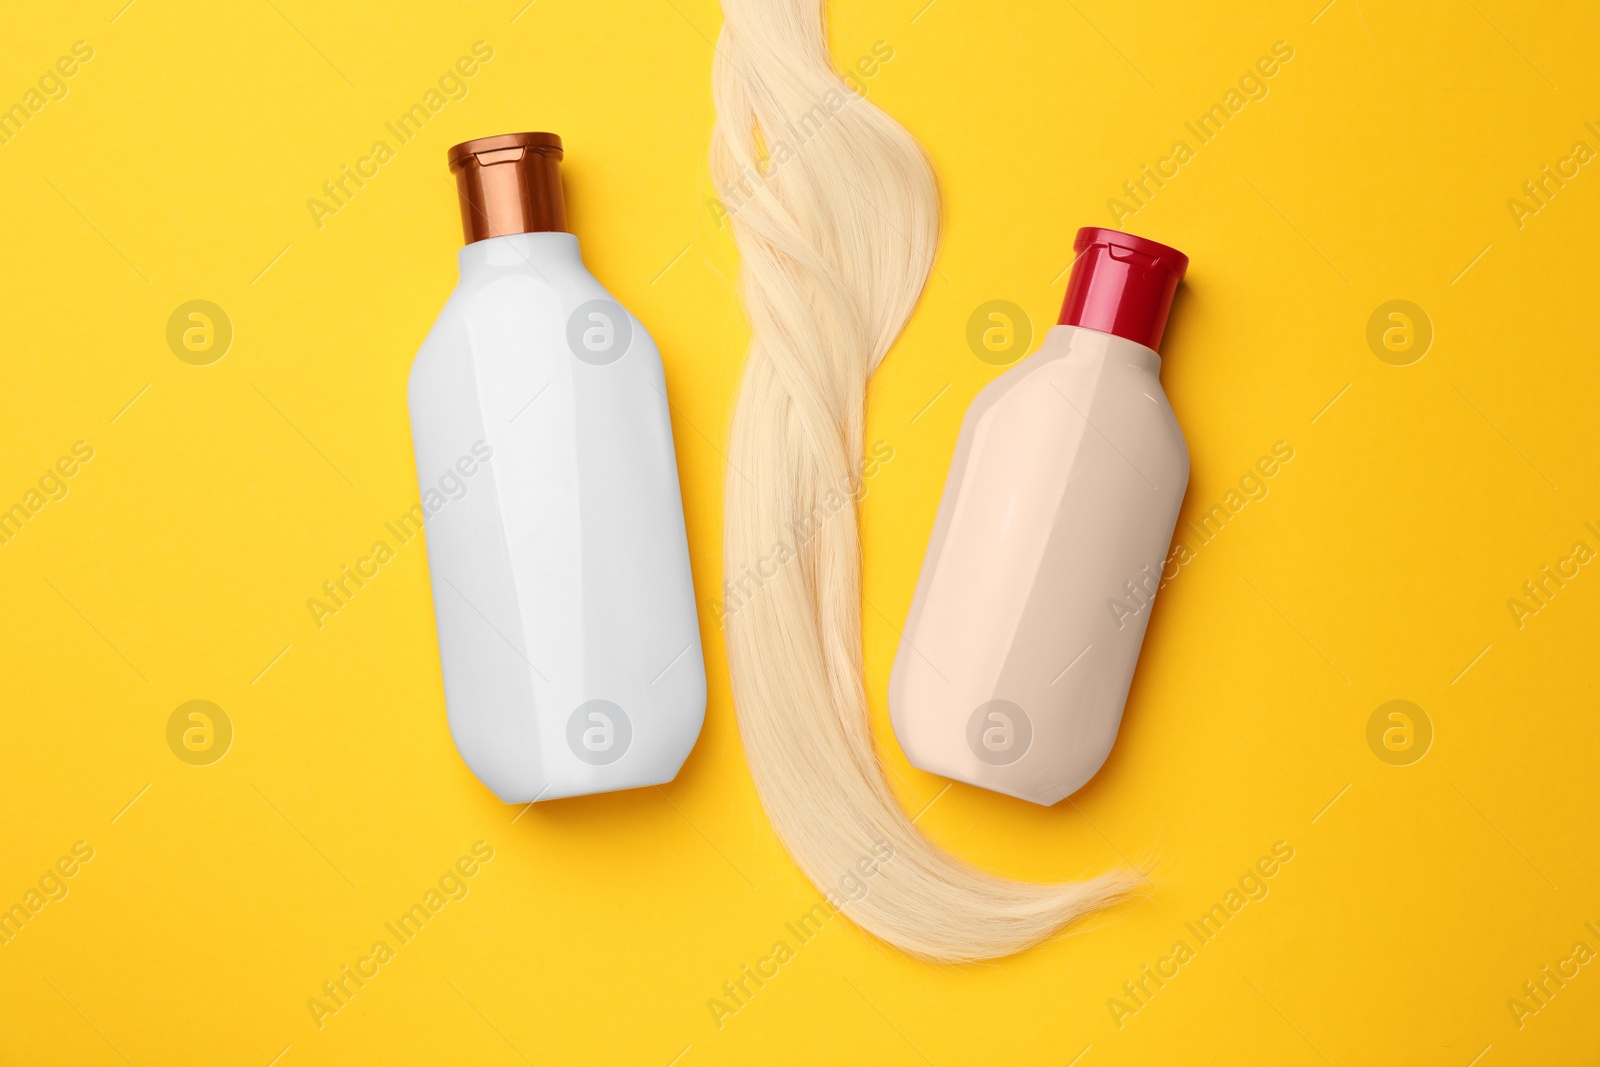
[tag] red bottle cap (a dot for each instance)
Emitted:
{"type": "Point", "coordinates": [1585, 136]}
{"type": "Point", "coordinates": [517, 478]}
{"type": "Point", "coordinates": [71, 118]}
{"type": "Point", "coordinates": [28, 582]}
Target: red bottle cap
{"type": "Point", "coordinates": [1122, 284]}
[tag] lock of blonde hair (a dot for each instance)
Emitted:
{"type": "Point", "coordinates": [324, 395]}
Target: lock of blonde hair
{"type": "Point", "coordinates": [835, 211]}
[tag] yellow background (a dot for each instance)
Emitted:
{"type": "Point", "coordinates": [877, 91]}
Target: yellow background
{"type": "Point", "coordinates": [178, 566]}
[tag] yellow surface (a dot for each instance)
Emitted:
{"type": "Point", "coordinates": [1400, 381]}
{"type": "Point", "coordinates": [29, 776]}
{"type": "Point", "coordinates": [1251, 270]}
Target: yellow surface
{"type": "Point", "coordinates": [1379, 566]}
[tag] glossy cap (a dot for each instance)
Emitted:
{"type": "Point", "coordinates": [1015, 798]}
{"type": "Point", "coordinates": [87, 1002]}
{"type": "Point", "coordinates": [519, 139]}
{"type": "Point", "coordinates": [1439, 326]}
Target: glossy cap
{"type": "Point", "coordinates": [1122, 285]}
{"type": "Point", "coordinates": [510, 183]}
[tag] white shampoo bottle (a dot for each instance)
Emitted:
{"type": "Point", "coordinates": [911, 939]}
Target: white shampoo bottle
{"type": "Point", "coordinates": [1048, 548]}
{"type": "Point", "coordinates": [568, 633]}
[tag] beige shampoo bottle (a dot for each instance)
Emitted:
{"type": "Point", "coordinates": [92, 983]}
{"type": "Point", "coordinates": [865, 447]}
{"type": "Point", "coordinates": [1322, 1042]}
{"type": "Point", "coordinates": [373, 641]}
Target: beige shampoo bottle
{"type": "Point", "coordinates": [1047, 551]}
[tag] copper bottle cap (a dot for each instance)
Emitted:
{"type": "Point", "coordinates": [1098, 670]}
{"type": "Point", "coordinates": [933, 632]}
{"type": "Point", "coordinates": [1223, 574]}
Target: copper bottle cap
{"type": "Point", "coordinates": [510, 183]}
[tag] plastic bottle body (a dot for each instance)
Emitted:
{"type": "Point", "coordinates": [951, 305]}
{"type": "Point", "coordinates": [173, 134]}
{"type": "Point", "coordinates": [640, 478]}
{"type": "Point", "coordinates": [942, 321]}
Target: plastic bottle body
{"type": "Point", "coordinates": [568, 633]}
{"type": "Point", "coordinates": [1042, 569]}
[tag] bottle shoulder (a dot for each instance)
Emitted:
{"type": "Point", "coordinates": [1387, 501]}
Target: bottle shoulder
{"type": "Point", "coordinates": [522, 312]}
{"type": "Point", "coordinates": [1081, 383]}
{"type": "Point", "coordinates": [1078, 367]}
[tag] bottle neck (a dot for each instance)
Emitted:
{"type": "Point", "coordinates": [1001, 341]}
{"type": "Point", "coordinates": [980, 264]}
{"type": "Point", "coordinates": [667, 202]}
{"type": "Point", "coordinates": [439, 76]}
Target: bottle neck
{"type": "Point", "coordinates": [514, 252]}
{"type": "Point", "coordinates": [1085, 342]}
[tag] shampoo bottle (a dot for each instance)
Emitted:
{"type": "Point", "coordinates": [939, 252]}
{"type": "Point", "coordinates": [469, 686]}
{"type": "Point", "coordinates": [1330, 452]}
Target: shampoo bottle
{"type": "Point", "coordinates": [568, 634]}
{"type": "Point", "coordinates": [1049, 543]}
